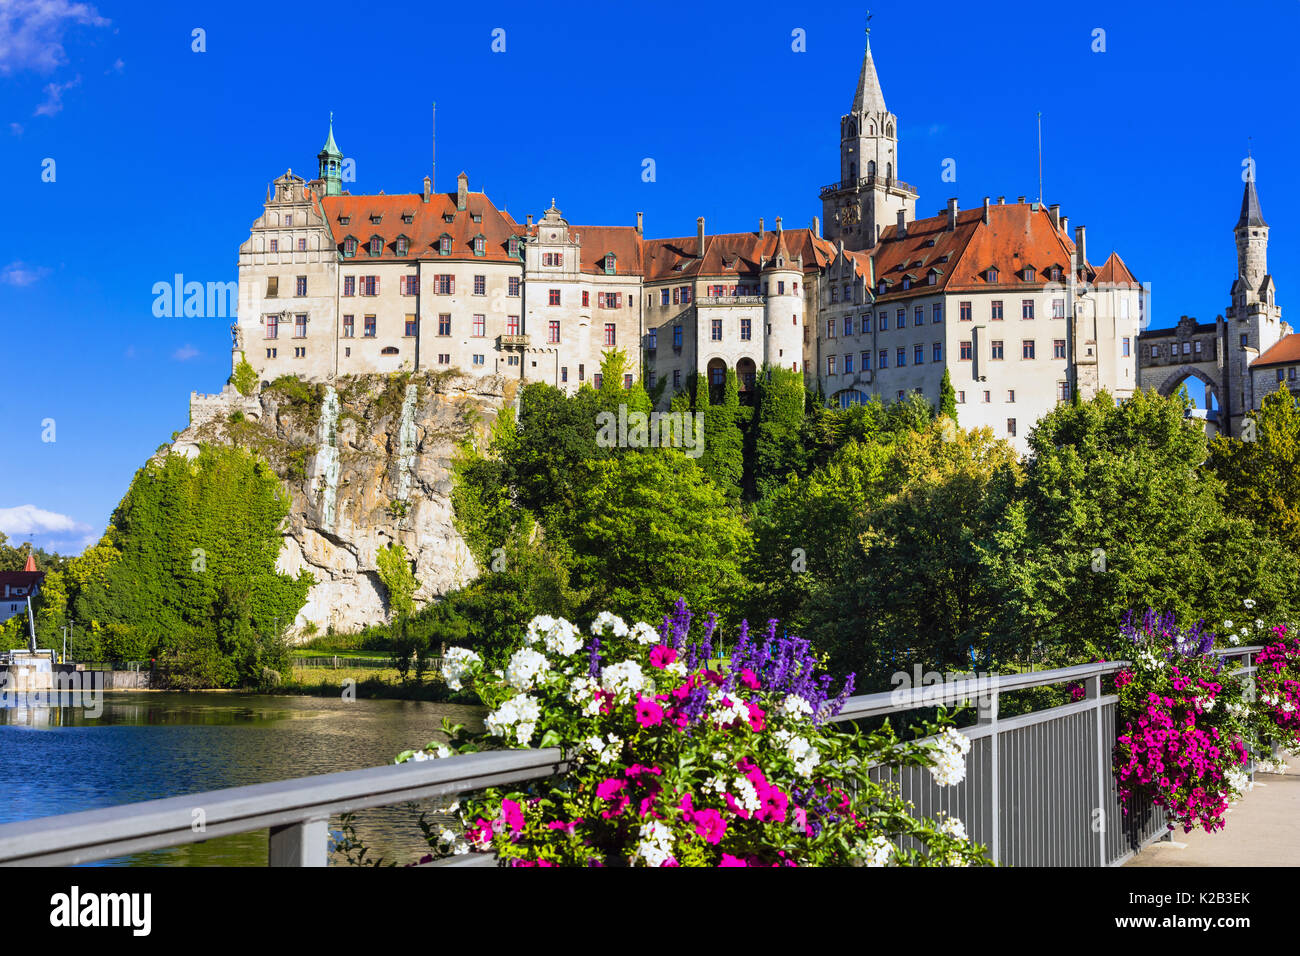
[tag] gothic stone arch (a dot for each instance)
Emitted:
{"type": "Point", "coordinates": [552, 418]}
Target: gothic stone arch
{"type": "Point", "coordinates": [1182, 373]}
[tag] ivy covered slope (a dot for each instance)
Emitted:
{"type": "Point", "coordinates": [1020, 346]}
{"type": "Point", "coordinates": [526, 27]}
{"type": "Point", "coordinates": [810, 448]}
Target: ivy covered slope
{"type": "Point", "coordinates": [365, 463]}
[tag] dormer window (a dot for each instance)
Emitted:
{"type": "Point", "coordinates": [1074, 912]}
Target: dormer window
{"type": "Point", "coordinates": [376, 218]}
{"type": "Point", "coordinates": [1029, 273]}
{"type": "Point", "coordinates": [376, 245]}
{"type": "Point", "coordinates": [609, 263]}
{"type": "Point", "coordinates": [991, 275]}
{"type": "Point", "coordinates": [349, 247]}
{"type": "Point", "coordinates": [931, 277]}
{"type": "Point", "coordinates": [448, 217]}
{"type": "Point", "coordinates": [514, 246]}
{"type": "Point", "coordinates": [1055, 273]}
{"type": "Point", "coordinates": [344, 220]}
{"type": "Point", "coordinates": [881, 289]}
{"type": "Point", "coordinates": [907, 283]}
{"type": "Point", "coordinates": [408, 217]}
{"type": "Point", "coordinates": [477, 217]}
{"type": "Point", "coordinates": [929, 242]}
{"type": "Point", "coordinates": [444, 245]}
{"type": "Point", "coordinates": [402, 245]}
{"type": "Point", "coordinates": [480, 245]}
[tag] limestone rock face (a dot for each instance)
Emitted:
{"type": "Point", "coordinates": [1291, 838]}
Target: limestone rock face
{"type": "Point", "coordinates": [367, 462]}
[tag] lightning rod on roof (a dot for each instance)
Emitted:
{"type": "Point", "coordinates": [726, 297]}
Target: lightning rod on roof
{"type": "Point", "coordinates": [1040, 157]}
{"type": "Point", "coordinates": [433, 147]}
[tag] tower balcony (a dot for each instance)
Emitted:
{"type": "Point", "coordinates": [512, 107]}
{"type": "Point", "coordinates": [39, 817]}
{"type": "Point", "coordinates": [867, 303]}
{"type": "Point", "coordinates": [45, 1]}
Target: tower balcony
{"type": "Point", "coordinates": [710, 300]}
{"type": "Point", "coordinates": [512, 341]}
{"type": "Point", "coordinates": [848, 185]}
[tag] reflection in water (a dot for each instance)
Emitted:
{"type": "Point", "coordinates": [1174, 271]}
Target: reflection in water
{"type": "Point", "coordinates": [122, 747]}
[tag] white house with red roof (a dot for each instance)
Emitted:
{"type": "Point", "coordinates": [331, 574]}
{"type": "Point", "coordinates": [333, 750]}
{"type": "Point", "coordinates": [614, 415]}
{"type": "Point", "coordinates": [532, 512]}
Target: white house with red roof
{"type": "Point", "coordinates": [17, 588]}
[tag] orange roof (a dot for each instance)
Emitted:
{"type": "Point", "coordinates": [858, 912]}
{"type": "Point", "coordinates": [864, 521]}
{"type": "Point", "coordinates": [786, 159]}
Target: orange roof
{"type": "Point", "coordinates": [427, 226]}
{"type": "Point", "coordinates": [1285, 352]}
{"type": "Point", "coordinates": [31, 563]}
{"type": "Point", "coordinates": [731, 254]}
{"type": "Point", "coordinates": [1114, 272]}
{"type": "Point", "coordinates": [596, 241]}
{"type": "Point", "coordinates": [1015, 238]}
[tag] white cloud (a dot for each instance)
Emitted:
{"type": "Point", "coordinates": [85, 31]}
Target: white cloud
{"type": "Point", "coordinates": [16, 129]}
{"type": "Point", "coordinates": [29, 519]}
{"type": "Point", "coordinates": [32, 31]}
{"type": "Point", "coordinates": [54, 95]}
{"type": "Point", "coordinates": [20, 273]}
{"type": "Point", "coordinates": [185, 353]}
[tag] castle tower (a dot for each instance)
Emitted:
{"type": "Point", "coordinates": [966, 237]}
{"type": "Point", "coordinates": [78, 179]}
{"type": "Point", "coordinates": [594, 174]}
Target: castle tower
{"type": "Point", "coordinates": [1253, 318]}
{"type": "Point", "coordinates": [331, 164]}
{"type": "Point", "coordinates": [869, 193]}
{"type": "Point", "coordinates": [783, 316]}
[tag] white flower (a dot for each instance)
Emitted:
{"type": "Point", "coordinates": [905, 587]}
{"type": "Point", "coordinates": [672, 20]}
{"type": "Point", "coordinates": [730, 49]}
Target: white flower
{"type": "Point", "coordinates": [457, 664]}
{"type": "Point", "coordinates": [537, 627]}
{"type": "Point", "coordinates": [1249, 603]}
{"type": "Point", "coordinates": [563, 638]}
{"type": "Point", "coordinates": [1234, 638]}
{"type": "Point", "coordinates": [950, 749]}
{"type": "Point", "coordinates": [520, 713]}
{"type": "Point", "coordinates": [879, 851]}
{"type": "Point", "coordinates": [676, 668]}
{"type": "Point", "coordinates": [605, 751]}
{"type": "Point", "coordinates": [1239, 781]}
{"type": "Point", "coordinates": [1227, 625]}
{"type": "Point", "coordinates": [746, 796]}
{"type": "Point", "coordinates": [716, 784]}
{"type": "Point", "coordinates": [729, 710]}
{"type": "Point", "coordinates": [804, 755]}
{"type": "Point", "coordinates": [643, 633]}
{"type": "Point", "coordinates": [656, 846]}
{"type": "Point", "coordinates": [613, 622]}
{"type": "Point", "coordinates": [525, 667]}
{"type": "Point", "coordinates": [1259, 623]}
{"type": "Point", "coordinates": [953, 827]}
{"type": "Point", "coordinates": [795, 707]}
{"type": "Point", "coordinates": [624, 678]}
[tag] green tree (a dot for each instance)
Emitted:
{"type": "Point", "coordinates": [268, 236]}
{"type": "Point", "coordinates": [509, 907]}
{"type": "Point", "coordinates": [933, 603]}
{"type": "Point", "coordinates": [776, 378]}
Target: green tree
{"type": "Point", "coordinates": [1261, 477]}
{"type": "Point", "coordinates": [652, 529]}
{"type": "Point", "coordinates": [244, 377]}
{"type": "Point", "coordinates": [394, 567]}
{"type": "Point", "coordinates": [777, 448]}
{"type": "Point", "coordinates": [947, 397]}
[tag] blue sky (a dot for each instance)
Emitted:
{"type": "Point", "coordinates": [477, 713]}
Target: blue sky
{"type": "Point", "coordinates": [162, 156]}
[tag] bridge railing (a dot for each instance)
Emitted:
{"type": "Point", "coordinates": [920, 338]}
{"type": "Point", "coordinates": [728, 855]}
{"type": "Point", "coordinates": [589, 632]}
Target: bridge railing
{"type": "Point", "coordinates": [1038, 788]}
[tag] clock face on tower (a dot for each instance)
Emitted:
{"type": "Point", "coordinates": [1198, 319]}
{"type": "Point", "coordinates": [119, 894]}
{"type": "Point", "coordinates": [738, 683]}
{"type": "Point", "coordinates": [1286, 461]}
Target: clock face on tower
{"type": "Point", "coordinates": [850, 215]}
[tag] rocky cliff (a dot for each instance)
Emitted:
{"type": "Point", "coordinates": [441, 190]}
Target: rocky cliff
{"type": "Point", "coordinates": [367, 462]}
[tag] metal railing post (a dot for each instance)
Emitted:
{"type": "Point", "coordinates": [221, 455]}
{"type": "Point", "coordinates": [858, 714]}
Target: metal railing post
{"type": "Point", "coordinates": [300, 844]}
{"type": "Point", "coordinates": [1092, 691]}
{"type": "Point", "coordinates": [987, 708]}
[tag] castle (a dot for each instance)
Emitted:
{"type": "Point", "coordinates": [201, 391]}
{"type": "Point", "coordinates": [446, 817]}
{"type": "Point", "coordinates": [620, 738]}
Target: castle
{"type": "Point", "coordinates": [883, 304]}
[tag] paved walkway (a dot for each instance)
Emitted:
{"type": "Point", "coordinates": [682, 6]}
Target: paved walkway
{"type": "Point", "coordinates": [1263, 829]}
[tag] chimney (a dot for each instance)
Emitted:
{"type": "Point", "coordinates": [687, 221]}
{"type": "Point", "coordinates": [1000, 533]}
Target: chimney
{"type": "Point", "coordinates": [640, 219]}
{"type": "Point", "coordinates": [1020, 199]}
{"type": "Point", "coordinates": [760, 227]}
{"type": "Point", "coordinates": [1054, 212]}
{"type": "Point", "coordinates": [1065, 225]}
{"type": "Point", "coordinates": [462, 191]}
{"type": "Point", "coordinates": [952, 214]}
{"type": "Point", "coordinates": [1002, 200]}
{"type": "Point", "coordinates": [1081, 245]}
{"type": "Point", "coordinates": [699, 237]}
{"type": "Point", "coordinates": [817, 226]}
{"type": "Point", "coordinates": [778, 223]}
{"type": "Point", "coordinates": [902, 223]}
{"type": "Point", "coordinates": [428, 186]}
{"type": "Point", "coordinates": [530, 220]}
{"type": "Point", "coordinates": [986, 210]}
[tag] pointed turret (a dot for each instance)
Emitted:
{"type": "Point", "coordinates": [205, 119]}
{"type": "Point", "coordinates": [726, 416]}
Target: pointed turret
{"type": "Point", "coordinates": [869, 97]}
{"type": "Point", "coordinates": [31, 563]}
{"type": "Point", "coordinates": [331, 164]}
{"type": "Point", "coordinates": [1250, 211]}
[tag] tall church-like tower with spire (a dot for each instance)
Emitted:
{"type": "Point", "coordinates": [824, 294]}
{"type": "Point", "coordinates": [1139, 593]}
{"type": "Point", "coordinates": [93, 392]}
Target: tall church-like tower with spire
{"type": "Point", "coordinates": [869, 195]}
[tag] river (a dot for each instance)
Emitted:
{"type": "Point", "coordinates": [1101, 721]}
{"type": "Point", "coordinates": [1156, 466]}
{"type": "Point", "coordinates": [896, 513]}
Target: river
{"type": "Point", "coordinates": [135, 746]}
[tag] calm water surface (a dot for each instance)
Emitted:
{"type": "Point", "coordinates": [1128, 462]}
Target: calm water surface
{"type": "Point", "coordinates": [143, 746]}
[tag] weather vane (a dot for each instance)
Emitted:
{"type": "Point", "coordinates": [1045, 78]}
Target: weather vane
{"type": "Point", "coordinates": [868, 23]}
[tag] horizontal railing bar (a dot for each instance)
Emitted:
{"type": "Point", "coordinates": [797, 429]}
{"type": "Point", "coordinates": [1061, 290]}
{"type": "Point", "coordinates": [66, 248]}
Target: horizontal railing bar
{"type": "Point", "coordinates": [137, 827]}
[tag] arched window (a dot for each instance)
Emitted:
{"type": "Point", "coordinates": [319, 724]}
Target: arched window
{"type": "Point", "coordinates": [853, 171]}
{"type": "Point", "coordinates": [889, 170]}
{"type": "Point", "coordinates": [871, 167]}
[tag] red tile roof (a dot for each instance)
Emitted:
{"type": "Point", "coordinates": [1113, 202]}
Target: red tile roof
{"type": "Point", "coordinates": [1016, 237]}
{"type": "Point", "coordinates": [1114, 272]}
{"type": "Point", "coordinates": [1285, 352]}
{"type": "Point", "coordinates": [31, 563]}
{"type": "Point", "coordinates": [427, 226]}
{"type": "Point", "coordinates": [731, 254]}
{"type": "Point", "coordinates": [596, 241]}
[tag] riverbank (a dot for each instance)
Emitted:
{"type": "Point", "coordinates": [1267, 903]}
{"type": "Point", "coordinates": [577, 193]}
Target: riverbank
{"type": "Point", "coordinates": [368, 683]}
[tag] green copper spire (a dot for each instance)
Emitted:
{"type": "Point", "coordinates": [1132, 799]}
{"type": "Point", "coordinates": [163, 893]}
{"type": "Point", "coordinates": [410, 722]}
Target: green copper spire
{"type": "Point", "coordinates": [331, 164]}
